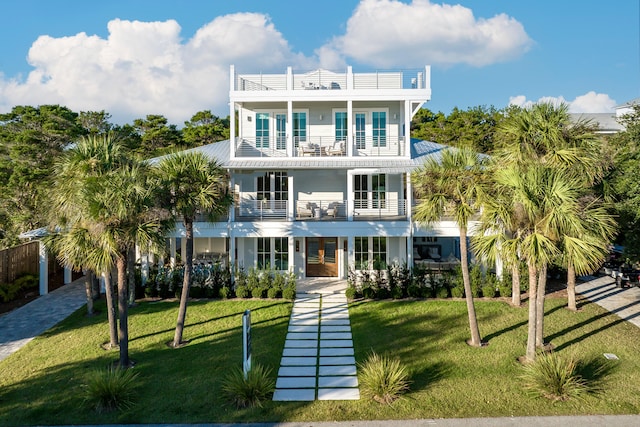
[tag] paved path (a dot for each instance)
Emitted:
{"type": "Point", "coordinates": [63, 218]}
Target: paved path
{"type": "Point", "coordinates": [21, 325]}
{"type": "Point", "coordinates": [624, 302]}
{"type": "Point", "coordinates": [318, 360]}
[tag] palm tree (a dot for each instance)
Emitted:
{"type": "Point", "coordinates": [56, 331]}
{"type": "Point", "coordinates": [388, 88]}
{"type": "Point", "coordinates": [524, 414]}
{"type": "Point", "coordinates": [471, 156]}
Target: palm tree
{"type": "Point", "coordinates": [123, 206]}
{"type": "Point", "coordinates": [77, 244]}
{"type": "Point", "coordinates": [453, 186]}
{"type": "Point", "coordinates": [104, 199]}
{"type": "Point", "coordinates": [547, 164]}
{"type": "Point", "coordinates": [193, 184]}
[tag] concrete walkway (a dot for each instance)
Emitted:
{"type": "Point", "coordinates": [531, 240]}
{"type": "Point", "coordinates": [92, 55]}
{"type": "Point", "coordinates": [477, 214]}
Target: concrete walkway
{"type": "Point", "coordinates": [21, 325]}
{"type": "Point", "coordinates": [318, 359]}
{"type": "Point", "coordinates": [624, 302]}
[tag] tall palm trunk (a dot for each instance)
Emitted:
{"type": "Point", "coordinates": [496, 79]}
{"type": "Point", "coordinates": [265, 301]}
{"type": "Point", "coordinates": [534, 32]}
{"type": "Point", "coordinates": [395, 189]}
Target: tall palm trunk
{"type": "Point", "coordinates": [533, 296]}
{"type": "Point", "coordinates": [515, 285]}
{"type": "Point", "coordinates": [542, 288]}
{"type": "Point", "coordinates": [571, 288]}
{"type": "Point", "coordinates": [111, 310]}
{"type": "Point", "coordinates": [131, 275]}
{"type": "Point", "coordinates": [188, 265]}
{"type": "Point", "coordinates": [88, 288]}
{"type": "Point", "coordinates": [471, 310]}
{"type": "Point", "coordinates": [123, 307]}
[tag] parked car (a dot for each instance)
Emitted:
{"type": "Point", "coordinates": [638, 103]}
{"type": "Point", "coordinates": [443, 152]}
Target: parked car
{"type": "Point", "coordinates": [627, 276]}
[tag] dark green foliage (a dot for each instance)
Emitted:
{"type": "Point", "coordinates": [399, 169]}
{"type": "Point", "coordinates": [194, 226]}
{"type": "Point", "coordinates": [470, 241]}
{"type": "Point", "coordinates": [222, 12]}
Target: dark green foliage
{"type": "Point", "coordinates": [558, 377]}
{"type": "Point", "coordinates": [113, 389]}
{"type": "Point", "coordinates": [251, 391]}
{"type": "Point", "coordinates": [205, 128]}
{"type": "Point", "coordinates": [242, 292]}
{"type": "Point", "coordinates": [289, 292]}
{"type": "Point", "coordinates": [351, 292]}
{"type": "Point", "coordinates": [473, 128]}
{"type": "Point", "coordinates": [383, 378]}
{"type": "Point", "coordinates": [9, 291]}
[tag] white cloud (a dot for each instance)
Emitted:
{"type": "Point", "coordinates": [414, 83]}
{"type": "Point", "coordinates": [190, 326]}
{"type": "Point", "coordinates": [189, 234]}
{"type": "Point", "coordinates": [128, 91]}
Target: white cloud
{"type": "Point", "coordinates": [590, 102]}
{"type": "Point", "coordinates": [145, 68]}
{"type": "Point", "coordinates": [389, 33]}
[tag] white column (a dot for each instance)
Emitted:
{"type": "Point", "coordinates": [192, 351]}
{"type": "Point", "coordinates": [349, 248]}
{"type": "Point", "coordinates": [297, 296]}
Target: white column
{"type": "Point", "coordinates": [350, 204]}
{"type": "Point", "coordinates": [144, 268]}
{"type": "Point", "coordinates": [232, 113]}
{"type": "Point", "coordinates": [289, 129]}
{"type": "Point", "coordinates": [292, 253]}
{"type": "Point", "coordinates": [350, 128]}
{"type": "Point", "coordinates": [291, 205]}
{"type": "Point", "coordinates": [172, 252]}
{"type": "Point", "coordinates": [351, 256]}
{"type": "Point", "coordinates": [44, 269]}
{"type": "Point", "coordinates": [67, 275]}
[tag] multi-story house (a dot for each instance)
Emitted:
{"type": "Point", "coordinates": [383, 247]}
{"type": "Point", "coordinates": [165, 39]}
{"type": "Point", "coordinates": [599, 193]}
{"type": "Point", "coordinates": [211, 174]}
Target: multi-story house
{"type": "Point", "coordinates": [320, 166]}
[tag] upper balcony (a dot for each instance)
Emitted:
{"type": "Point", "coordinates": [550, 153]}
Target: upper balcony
{"type": "Point", "coordinates": [324, 83]}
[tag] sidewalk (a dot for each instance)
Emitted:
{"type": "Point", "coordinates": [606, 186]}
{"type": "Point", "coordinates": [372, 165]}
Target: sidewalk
{"type": "Point", "coordinates": [21, 325]}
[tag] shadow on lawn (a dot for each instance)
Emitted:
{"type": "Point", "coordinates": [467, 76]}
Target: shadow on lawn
{"type": "Point", "coordinates": [611, 315]}
{"type": "Point", "coordinates": [396, 336]}
{"type": "Point", "coordinates": [151, 308]}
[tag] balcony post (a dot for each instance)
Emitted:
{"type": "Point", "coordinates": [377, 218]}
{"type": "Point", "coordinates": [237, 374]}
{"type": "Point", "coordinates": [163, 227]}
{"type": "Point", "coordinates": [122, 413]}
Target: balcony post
{"type": "Point", "coordinates": [291, 204]}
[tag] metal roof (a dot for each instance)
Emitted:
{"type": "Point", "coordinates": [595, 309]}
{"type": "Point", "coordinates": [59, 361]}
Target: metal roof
{"type": "Point", "coordinates": [420, 151]}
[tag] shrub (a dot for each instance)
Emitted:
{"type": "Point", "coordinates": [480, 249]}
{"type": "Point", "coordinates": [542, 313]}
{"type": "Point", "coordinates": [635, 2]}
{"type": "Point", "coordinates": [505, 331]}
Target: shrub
{"type": "Point", "coordinates": [382, 378]}
{"type": "Point", "coordinates": [8, 292]}
{"type": "Point", "coordinates": [249, 392]}
{"type": "Point", "coordinates": [351, 292]}
{"type": "Point", "coordinates": [489, 291]}
{"type": "Point", "coordinates": [111, 389]}
{"type": "Point", "coordinates": [505, 289]}
{"type": "Point", "coordinates": [242, 292]}
{"type": "Point", "coordinates": [442, 292]}
{"type": "Point", "coordinates": [258, 292]}
{"type": "Point", "coordinates": [273, 293]}
{"type": "Point", "coordinates": [28, 281]}
{"type": "Point", "coordinates": [289, 292]}
{"type": "Point", "coordinates": [457, 291]}
{"type": "Point", "coordinates": [554, 377]}
{"type": "Point", "coordinates": [225, 292]}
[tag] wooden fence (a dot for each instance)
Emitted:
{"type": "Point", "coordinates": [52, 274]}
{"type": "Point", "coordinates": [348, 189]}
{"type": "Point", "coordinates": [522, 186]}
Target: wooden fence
{"type": "Point", "coordinates": [19, 260]}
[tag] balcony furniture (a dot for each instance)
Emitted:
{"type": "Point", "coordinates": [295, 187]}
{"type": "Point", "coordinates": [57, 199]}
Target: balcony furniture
{"type": "Point", "coordinates": [337, 149]}
{"type": "Point", "coordinates": [332, 210]}
{"type": "Point", "coordinates": [310, 149]}
{"type": "Point", "coordinates": [306, 210]}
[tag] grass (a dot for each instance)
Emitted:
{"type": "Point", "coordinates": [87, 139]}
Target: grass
{"type": "Point", "coordinates": [43, 383]}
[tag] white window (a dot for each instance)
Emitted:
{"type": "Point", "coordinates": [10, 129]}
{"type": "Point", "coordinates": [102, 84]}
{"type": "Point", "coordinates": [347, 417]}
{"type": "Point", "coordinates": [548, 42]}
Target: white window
{"type": "Point", "coordinates": [273, 252]}
{"type": "Point", "coordinates": [370, 252]}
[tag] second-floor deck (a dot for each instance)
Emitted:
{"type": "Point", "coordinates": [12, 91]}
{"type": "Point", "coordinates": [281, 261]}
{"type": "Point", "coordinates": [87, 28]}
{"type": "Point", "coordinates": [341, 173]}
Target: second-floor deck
{"type": "Point", "coordinates": [319, 146]}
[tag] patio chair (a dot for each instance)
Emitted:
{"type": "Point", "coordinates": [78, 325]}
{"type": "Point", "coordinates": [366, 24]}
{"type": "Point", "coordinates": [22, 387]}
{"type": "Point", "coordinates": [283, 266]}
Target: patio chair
{"type": "Point", "coordinates": [337, 149]}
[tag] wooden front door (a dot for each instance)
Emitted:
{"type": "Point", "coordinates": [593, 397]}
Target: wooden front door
{"type": "Point", "coordinates": [322, 256]}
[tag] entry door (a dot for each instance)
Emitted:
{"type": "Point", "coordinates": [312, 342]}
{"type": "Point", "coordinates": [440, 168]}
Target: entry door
{"type": "Point", "coordinates": [322, 259]}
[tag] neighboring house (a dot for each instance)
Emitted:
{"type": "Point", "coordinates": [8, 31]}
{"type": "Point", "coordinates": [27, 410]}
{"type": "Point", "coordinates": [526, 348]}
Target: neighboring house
{"type": "Point", "coordinates": [320, 166]}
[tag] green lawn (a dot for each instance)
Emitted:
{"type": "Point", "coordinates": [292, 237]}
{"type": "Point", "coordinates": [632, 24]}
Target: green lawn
{"type": "Point", "coordinates": [42, 383]}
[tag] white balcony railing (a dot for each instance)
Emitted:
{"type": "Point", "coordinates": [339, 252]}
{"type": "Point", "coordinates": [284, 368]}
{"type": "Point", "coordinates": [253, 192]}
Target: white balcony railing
{"type": "Point", "coordinates": [320, 146]}
{"type": "Point", "coordinates": [262, 209]}
{"type": "Point", "coordinates": [330, 80]}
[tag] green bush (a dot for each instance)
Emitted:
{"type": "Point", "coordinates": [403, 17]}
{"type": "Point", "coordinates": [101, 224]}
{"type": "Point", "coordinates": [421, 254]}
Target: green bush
{"type": "Point", "coordinates": [505, 289]}
{"type": "Point", "coordinates": [258, 292]}
{"type": "Point", "coordinates": [225, 292]}
{"type": "Point", "coordinates": [554, 377]}
{"type": "Point", "coordinates": [457, 291]}
{"type": "Point", "coordinates": [249, 392]}
{"type": "Point", "coordinates": [289, 292]}
{"type": "Point", "coordinates": [111, 389]}
{"type": "Point", "coordinates": [242, 292]}
{"type": "Point", "coordinates": [442, 292]}
{"type": "Point", "coordinates": [9, 291]}
{"type": "Point", "coordinates": [273, 293]}
{"type": "Point", "coordinates": [489, 291]}
{"type": "Point", "coordinates": [383, 379]}
{"type": "Point", "coordinates": [351, 292]}
{"type": "Point", "coordinates": [28, 281]}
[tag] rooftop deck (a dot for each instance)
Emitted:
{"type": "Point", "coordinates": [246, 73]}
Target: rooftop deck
{"type": "Point", "coordinates": [325, 80]}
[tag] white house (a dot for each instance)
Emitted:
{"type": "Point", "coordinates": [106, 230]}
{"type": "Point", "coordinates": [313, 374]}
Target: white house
{"type": "Point", "coordinates": [320, 167]}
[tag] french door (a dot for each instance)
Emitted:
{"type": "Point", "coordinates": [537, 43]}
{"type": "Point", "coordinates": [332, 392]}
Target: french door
{"type": "Point", "coordinates": [322, 257]}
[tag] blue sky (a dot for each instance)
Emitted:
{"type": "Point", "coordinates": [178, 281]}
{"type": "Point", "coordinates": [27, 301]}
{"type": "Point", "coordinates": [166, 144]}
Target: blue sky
{"type": "Point", "coordinates": [133, 58]}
